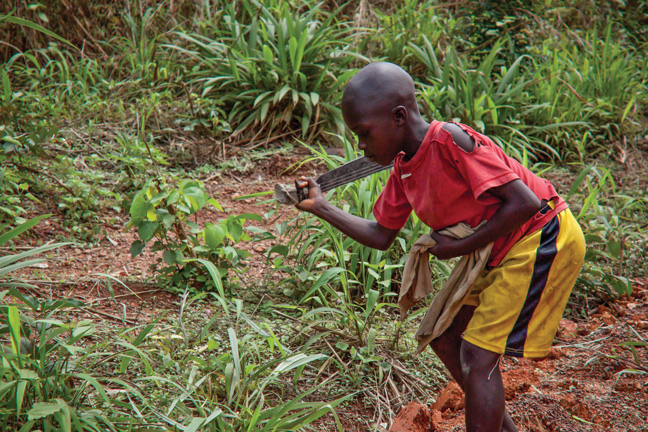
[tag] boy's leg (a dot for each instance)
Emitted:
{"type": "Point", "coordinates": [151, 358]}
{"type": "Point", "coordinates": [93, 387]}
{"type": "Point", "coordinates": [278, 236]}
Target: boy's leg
{"type": "Point", "coordinates": [484, 391]}
{"type": "Point", "coordinates": [448, 348]}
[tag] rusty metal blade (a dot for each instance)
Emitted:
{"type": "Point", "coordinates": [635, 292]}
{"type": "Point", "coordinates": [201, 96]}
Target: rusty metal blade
{"type": "Point", "coordinates": [347, 173]}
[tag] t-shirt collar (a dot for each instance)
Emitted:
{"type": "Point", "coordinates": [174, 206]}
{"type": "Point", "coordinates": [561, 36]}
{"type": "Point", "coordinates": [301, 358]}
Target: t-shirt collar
{"type": "Point", "coordinates": [412, 164]}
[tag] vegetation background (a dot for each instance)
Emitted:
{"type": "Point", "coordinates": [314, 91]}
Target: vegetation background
{"type": "Point", "coordinates": [123, 113]}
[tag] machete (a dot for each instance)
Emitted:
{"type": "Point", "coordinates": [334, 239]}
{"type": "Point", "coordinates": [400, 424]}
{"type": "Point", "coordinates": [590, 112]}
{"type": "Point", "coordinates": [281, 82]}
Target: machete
{"type": "Point", "coordinates": [347, 173]}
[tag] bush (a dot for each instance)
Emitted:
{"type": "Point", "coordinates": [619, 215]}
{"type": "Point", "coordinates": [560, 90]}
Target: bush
{"type": "Point", "coordinates": [161, 212]}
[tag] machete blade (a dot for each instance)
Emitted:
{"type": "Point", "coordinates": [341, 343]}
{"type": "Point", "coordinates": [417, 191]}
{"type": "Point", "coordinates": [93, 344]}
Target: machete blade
{"type": "Point", "coordinates": [347, 173]}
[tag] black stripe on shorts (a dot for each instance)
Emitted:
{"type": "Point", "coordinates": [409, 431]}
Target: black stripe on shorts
{"type": "Point", "coordinates": [545, 255]}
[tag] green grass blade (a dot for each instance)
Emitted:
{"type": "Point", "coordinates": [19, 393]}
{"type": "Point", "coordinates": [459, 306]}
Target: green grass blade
{"type": "Point", "coordinates": [21, 228]}
{"type": "Point", "coordinates": [34, 26]}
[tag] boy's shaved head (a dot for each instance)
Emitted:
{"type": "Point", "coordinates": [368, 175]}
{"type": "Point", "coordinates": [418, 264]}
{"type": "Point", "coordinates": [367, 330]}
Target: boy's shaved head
{"type": "Point", "coordinates": [379, 86]}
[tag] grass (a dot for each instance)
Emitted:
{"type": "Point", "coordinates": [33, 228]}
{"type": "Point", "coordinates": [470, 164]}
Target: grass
{"type": "Point", "coordinates": [86, 131]}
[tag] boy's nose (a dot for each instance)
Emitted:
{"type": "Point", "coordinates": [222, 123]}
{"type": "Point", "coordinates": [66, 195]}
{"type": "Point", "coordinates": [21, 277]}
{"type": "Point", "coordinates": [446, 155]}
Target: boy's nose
{"type": "Point", "coordinates": [361, 145]}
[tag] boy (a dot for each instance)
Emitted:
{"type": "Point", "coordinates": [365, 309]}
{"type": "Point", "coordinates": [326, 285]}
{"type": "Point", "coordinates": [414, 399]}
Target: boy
{"type": "Point", "coordinates": [448, 173]}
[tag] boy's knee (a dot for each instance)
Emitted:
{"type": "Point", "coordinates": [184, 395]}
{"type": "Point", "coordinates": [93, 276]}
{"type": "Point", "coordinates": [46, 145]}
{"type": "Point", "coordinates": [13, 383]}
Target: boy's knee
{"type": "Point", "coordinates": [477, 362]}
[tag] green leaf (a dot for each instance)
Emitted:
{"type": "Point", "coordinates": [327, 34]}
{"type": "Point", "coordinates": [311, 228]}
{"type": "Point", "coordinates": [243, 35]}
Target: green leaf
{"type": "Point", "coordinates": [235, 229]}
{"type": "Point", "coordinates": [235, 352]}
{"type": "Point", "coordinates": [292, 50]}
{"type": "Point", "coordinates": [174, 196]}
{"type": "Point", "coordinates": [627, 108]}
{"type": "Point", "coordinates": [298, 360]}
{"type": "Point", "coordinates": [6, 88]}
{"type": "Point", "coordinates": [196, 423]}
{"type": "Point", "coordinates": [136, 248]}
{"type": "Point", "coordinates": [342, 346]}
{"type": "Point", "coordinates": [215, 203]}
{"type": "Point", "coordinates": [218, 283]}
{"type": "Point", "coordinates": [372, 299]}
{"type": "Point", "coordinates": [249, 216]}
{"type": "Point", "coordinates": [620, 284]}
{"type": "Point", "coordinates": [326, 277]}
{"type": "Point", "coordinates": [282, 250]}
{"type": "Point", "coordinates": [168, 220]}
{"type": "Point", "coordinates": [20, 396]}
{"type": "Point", "coordinates": [169, 257]}
{"type": "Point", "coordinates": [196, 195]}
{"type": "Point", "coordinates": [28, 374]}
{"type": "Point", "coordinates": [579, 179]}
{"type": "Point", "coordinates": [146, 230]}
{"type": "Point", "coordinates": [14, 329]}
{"type": "Point", "coordinates": [267, 54]}
{"type": "Point", "coordinates": [214, 236]}
{"type": "Point", "coordinates": [140, 206]}
{"type": "Point", "coordinates": [44, 409]}
{"type": "Point", "coordinates": [314, 98]}
{"type": "Point", "coordinates": [6, 260]}
{"type": "Point", "coordinates": [615, 248]}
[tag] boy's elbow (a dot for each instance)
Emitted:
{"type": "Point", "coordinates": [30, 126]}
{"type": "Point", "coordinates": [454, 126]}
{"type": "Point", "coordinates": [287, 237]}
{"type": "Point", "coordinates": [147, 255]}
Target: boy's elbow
{"type": "Point", "coordinates": [378, 243]}
{"type": "Point", "coordinates": [383, 237]}
{"type": "Point", "coordinates": [531, 206]}
{"type": "Point", "coordinates": [384, 246]}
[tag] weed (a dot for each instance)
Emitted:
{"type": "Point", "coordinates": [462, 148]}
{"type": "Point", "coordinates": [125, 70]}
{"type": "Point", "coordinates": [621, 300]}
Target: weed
{"type": "Point", "coordinates": [159, 209]}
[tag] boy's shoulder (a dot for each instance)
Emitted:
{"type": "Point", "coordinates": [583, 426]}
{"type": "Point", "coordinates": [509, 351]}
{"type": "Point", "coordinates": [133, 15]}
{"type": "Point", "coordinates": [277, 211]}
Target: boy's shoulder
{"type": "Point", "coordinates": [459, 136]}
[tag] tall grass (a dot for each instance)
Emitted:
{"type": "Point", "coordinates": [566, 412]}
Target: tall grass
{"type": "Point", "coordinates": [487, 96]}
{"type": "Point", "coordinates": [593, 86]}
{"type": "Point", "coordinates": [275, 69]}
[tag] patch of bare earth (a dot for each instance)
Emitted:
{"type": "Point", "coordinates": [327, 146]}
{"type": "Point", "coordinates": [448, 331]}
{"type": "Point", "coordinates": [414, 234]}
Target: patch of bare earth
{"type": "Point", "coordinates": [586, 383]}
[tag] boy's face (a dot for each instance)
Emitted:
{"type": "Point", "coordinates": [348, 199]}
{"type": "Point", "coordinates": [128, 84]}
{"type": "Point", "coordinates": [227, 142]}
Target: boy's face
{"type": "Point", "coordinates": [378, 132]}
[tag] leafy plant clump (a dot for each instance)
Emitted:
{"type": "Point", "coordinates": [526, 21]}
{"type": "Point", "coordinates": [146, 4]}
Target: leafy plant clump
{"type": "Point", "coordinates": [276, 68]}
{"type": "Point", "coordinates": [163, 213]}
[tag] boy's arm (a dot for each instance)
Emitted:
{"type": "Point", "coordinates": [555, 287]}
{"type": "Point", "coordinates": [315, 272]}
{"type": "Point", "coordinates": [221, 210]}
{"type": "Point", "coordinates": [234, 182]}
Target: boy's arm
{"type": "Point", "coordinates": [519, 204]}
{"type": "Point", "coordinates": [367, 232]}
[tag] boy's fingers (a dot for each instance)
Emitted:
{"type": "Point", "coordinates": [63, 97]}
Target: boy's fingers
{"type": "Point", "coordinates": [307, 181]}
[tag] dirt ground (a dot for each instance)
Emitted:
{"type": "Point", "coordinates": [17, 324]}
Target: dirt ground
{"type": "Point", "coordinates": [590, 382]}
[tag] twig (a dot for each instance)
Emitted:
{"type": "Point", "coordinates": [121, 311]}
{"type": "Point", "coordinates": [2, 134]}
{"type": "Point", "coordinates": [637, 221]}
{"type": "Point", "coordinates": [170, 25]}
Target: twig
{"type": "Point", "coordinates": [124, 295]}
{"type": "Point", "coordinates": [182, 306]}
{"type": "Point", "coordinates": [12, 46]}
{"type": "Point", "coordinates": [107, 315]}
{"type": "Point", "coordinates": [96, 44]}
{"type": "Point", "coordinates": [34, 282]}
{"type": "Point", "coordinates": [87, 142]}
{"type": "Point", "coordinates": [191, 107]}
{"type": "Point", "coordinates": [334, 352]}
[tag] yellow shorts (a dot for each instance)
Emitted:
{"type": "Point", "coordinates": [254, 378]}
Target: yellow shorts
{"type": "Point", "coordinates": [520, 302]}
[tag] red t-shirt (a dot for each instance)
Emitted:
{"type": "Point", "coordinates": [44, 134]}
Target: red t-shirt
{"type": "Point", "coordinates": [444, 185]}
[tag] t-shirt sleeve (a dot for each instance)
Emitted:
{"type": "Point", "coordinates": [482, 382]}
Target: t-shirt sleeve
{"type": "Point", "coordinates": [482, 168]}
{"type": "Point", "coordinates": [392, 209]}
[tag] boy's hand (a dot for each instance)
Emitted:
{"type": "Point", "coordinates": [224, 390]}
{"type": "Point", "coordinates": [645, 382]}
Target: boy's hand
{"type": "Point", "coordinates": [446, 247]}
{"type": "Point", "coordinates": [314, 195]}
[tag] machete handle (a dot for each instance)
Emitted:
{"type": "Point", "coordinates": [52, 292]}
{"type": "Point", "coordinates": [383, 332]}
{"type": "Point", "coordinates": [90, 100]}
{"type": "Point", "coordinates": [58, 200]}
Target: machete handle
{"type": "Point", "coordinates": [302, 192]}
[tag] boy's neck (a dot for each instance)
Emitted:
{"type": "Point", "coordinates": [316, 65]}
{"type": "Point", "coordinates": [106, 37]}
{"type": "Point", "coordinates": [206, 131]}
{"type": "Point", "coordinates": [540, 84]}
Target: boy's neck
{"type": "Point", "coordinates": [415, 136]}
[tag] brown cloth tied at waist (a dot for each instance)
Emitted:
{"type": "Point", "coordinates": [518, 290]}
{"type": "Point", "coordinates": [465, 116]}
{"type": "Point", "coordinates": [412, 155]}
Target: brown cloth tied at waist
{"type": "Point", "coordinates": [417, 283]}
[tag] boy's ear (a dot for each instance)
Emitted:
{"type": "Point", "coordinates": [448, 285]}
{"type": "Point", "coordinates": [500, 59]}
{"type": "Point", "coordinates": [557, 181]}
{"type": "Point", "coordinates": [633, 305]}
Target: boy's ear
{"type": "Point", "coordinates": [399, 114]}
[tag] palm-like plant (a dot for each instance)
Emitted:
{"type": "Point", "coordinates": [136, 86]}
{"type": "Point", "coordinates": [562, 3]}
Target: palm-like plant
{"type": "Point", "coordinates": [274, 69]}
